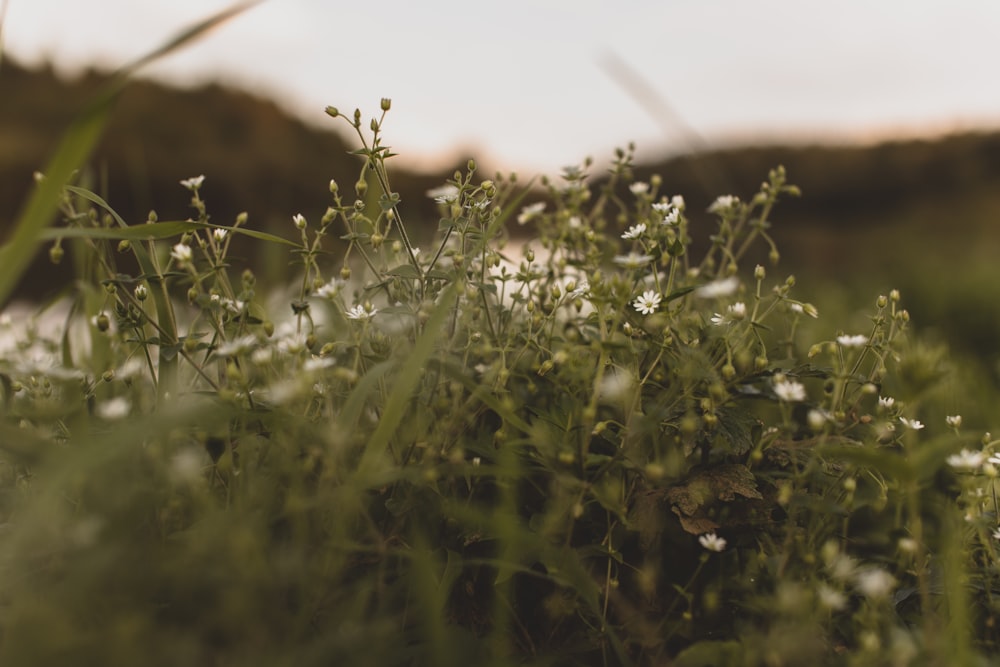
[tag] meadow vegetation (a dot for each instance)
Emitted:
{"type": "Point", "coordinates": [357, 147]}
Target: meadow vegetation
{"type": "Point", "coordinates": [624, 439]}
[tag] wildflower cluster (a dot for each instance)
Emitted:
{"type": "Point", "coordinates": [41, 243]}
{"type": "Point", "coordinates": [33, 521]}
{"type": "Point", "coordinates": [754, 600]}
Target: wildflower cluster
{"type": "Point", "coordinates": [553, 403]}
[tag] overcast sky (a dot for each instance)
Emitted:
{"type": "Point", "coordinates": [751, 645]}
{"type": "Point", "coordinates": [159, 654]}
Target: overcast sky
{"type": "Point", "coordinates": [535, 85]}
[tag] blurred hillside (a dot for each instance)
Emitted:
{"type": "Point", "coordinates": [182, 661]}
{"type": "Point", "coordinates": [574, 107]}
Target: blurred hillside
{"type": "Point", "coordinates": [916, 215]}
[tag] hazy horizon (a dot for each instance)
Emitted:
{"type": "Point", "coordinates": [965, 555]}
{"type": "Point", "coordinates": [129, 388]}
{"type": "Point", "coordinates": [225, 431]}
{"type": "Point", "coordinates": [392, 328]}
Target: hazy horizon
{"type": "Point", "coordinates": [541, 85]}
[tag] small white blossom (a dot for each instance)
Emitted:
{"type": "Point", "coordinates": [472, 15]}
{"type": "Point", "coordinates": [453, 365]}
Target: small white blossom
{"type": "Point", "coordinates": [804, 309]}
{"type": "Point", "coordinates": [719, 319]}
{"type": "Point", "coordinates": [633, 260]}
{"type": "Point", "coordinates": [737, 311]}
{"type": "Point", "coordinates": [579, 290]}
{"type": "Point", "coordinates": [635, 231]}
{"type": "Point", "coordinates": [712, 542]}
{"type": "Point", "coordinates": [194, 183]}
{"type": "Point", "coordinates": [886, 402]}
{"type": "Point", "coordinates": [858, 340]}
{"type": "Point", "coordinates": [362, 313]}
{"type": "Point", "coordinates": [718, 288]}
{"type": "Point", "coordinates": [182, 253]}
{"type": "Point", "coordinates": [954, 421]}
{"type": "Point", "coordinates": [237, 346]}
{"type": "Point", "coordinates": [529, 212]}
{"type": "Point", "coordinates": [874, 583]}
{"type": "Point", "coordinates": [639, 188]}
{"type": "Point", "coordinates": [914, 424]}
{"type": "Point", "coordinates": [671, 218]}
{"type": "Point", "coordinates": [830, 598]}
{"type": "Point", "coordinates": [116, 408]}
{"type": "Point", "coordinates": [996, 534]}
{"type": "Point", "coordinates": [220, 234]}
{"type": "Point", "coordinates": [678, 202]}
{"type": "Point", "coordinates": [966, 459]}
{"type": "Point", "coordinates": [315, 363]}
{"type": "Point", "coordinates": [723, 203]}
{"type": "Point", "coordinates": [292, 344]}
{"type": "Point", "coordinates": [330, 289]}
{"type": "Point", "coordinates": [648, 302]}
{"type": "Point", "coordinates": [789, 391]}
{"type": "Point", "coordinates": [444, 194]}
{"type": "Point", "coordinates": [299, 220]}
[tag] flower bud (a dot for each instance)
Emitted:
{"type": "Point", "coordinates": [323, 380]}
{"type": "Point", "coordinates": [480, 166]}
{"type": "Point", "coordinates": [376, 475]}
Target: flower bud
{"type": "Point", "coordinates": [56, 254]}
{"type": "Point", "coordinates": [124, 245]}
{"type": "Point", "coordinates": [332, 112]}
{"type": "Point", "coordinates": [385, 103]}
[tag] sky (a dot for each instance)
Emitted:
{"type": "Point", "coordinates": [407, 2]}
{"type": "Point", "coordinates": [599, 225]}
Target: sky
{"type": "Point", "coordinates": [534, 85]}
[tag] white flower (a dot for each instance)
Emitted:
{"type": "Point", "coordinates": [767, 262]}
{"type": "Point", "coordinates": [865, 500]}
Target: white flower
{"type": "Point", "coordinates": [874, 583]}
{"type": "Point", "coordinates": [220, 234]}
{"type": "Point", "coordinates": [831, 598]}
{"type": "Point", "coordinates": [529, 212]}
{"type": "Point", "coordinates": [579, 290]}
{"type": "Point", "coordinates": [914, 424]}
{"type": "Point", "coordinates": [635, 231]}
{"type": "Point", "coordinates": [647, 303]}
{"type": "Point", "coordinates": [194, 183]}
{"type": "Point", "coordinates": [996, 534]}
{"type": "Point", "coordinates": [331, 289]}
{"type": "Point", "coordinates": [362, 313]}
{"type": "Point", "coordinates": [237, 346]}
{"type": "Point", "coordinates": [182, 253]}
{"type": "Point", "coordinates": [737, 311]}
{"type": "Point", "coordinates": [712, 542]}
{"type": "Point", "coordinates": [639, 188]}
{"type": "Point", "coordinates": [966, 459]}
{"type": "Point", "coordinates": [789, 391]}
{"type": "Point", "coordinates": [718, 288]}
{"type": "Point", "coordinates": [292, 344]}
{"type": "Point", "coordinates": [671, 218]}
{"type": "Point", "coordinates": [719, 319]}
{"type": "Point", "coordinates": [299, 220]}
{"type": "Point", "coordinates": [444, 194]}
{"type": "Point", "coordinates": [633, 260]}
{"type": "Point", "coordinates": [678, 202]}
{"type": "Point", "coordinates": [954, 421]}
{"type": "Point", "coordinates": [315, 363]}
{"type": "Point", "coordinates": [858, 340]}
{"type": "Point", "coordinates": [116, 408]}
{"type": "Point", "coordinates": [886, 402]}
{"type": "Point", "coordinates": [723, 203]}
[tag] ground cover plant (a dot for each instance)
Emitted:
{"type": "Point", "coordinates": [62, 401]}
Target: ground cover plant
{"type": "Point", "coordinates": [605, 446]}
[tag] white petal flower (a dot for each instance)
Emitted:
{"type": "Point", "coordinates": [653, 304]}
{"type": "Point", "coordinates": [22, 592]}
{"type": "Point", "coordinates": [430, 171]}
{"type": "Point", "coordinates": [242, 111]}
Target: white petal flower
{"type": "Point", "coordinates": [723, 203]}
{"type": "Point", "coordinates": [220, 234]}
{"type": "Point", "coordinates": [789, 391]}
{"type": "Point", "coordinates": [529, 212]}
{"type": "Point", "coordinates": [633, 260]}
{"type": "Point", "coordinates": [237, 346]}
{"type": "Point", "coordinates": [635, 231]}
{"type": "Point", "coordinates": [671, 218]}
{"type": "Point", "coordinates": [330, 289]}
{"type": "Point", "coordinates": [966, 459]}
{"type": "Point", "coordinates": [444, 194]}
{"type": "Point", "coordinates": [362, 313]}
{"type": "Point", "coordinates": [954, 421]}
{"type": "Point", "coordinates": [874, 583]}
{"type": "Point", "coordinates": [718, 288]}
{"type": "Point", "coordinates": [719, 319]}
{"type": "Point", "coordinates": [712, 542]}
{"type": "Point", "coordinates": [886, 402]}
{"type": "Point", "coordinates": [996, 534]}
{"type": "Point", "coordinates": [182, 253]}
{"type": "Point", "coordinates": [194, 183]}
{"type": "Point", "coordinates": [116, 408]}
{"type": "Point", "coordinates": [914, 424]}
{"type": "Point", "coordinates": [299, 220]}
{"type": "Point", "coordinates": [737, 311]}
{"type": "Point", "coordinates": [648, 302]}
{"type": "Point", "coordinates": [858, 340]}
{"type": "Point", "coordinates": [830, 598]}
{"type": "Point", "coordinates": [639, 188]}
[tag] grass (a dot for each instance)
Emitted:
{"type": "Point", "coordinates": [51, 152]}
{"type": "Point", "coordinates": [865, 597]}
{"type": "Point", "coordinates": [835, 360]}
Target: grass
{"type": "Point", "coordinates": [606, 450]}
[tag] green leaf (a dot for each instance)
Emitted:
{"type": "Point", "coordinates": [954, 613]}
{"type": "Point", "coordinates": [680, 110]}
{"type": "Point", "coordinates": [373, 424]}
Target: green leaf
{"type": "Point", "coordinates": [404, 271]}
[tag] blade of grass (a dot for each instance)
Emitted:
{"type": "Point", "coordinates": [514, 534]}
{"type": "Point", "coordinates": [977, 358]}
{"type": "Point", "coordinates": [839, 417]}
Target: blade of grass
{"type": "Point", "coordinates": [405, 384]}
{"type": "Point", "coordinates": [74, 148]}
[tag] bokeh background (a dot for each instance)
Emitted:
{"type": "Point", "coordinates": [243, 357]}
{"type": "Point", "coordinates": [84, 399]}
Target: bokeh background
{"type": "Point", "coordinates": [885, 113]}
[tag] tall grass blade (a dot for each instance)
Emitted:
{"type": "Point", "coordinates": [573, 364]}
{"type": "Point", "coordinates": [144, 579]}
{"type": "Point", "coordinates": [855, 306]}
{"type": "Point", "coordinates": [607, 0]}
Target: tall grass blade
{"type": "Point", "coordinates": [74, 149]}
